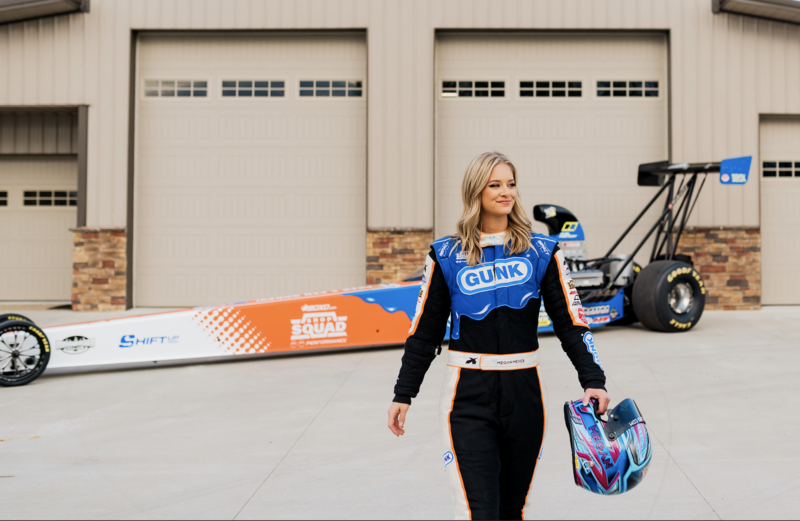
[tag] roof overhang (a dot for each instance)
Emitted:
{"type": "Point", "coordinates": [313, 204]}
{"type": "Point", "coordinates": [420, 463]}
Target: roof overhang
{"type": "Point", "coordinates": [783, 10]}
{"type": "Point", "coordinates": [18, 10]}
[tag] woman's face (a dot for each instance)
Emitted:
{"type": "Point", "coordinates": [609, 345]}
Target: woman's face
{"type": "Point", "coordinates": [498, 198]}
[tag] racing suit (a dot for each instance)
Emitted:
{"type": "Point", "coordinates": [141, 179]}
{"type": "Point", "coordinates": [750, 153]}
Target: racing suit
{"type": "Point", "coordinates": [492, 406]}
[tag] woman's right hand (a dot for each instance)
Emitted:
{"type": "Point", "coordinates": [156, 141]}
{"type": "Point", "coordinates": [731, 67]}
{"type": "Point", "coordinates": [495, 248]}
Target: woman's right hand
{"type": "Point", "coordinates": [397, 418]}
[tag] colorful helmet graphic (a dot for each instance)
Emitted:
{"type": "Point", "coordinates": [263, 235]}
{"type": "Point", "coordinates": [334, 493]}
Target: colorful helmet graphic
{"type": "Point", "coordinates": [608, 457]}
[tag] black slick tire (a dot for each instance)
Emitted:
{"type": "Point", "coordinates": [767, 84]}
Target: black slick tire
{"type": "Point", "coordinates": [24, 353]}
{"type": "Point", "coordinates": [14, 316]}
{"type": "Point", "coordinates": [669, 296]}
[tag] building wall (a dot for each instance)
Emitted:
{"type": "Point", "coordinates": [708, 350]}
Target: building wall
{"type": "Point", "coordinates": [726, 69]}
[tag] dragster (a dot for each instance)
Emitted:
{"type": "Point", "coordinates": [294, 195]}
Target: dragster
{"type": "Point", "coordinates": [666, 295]}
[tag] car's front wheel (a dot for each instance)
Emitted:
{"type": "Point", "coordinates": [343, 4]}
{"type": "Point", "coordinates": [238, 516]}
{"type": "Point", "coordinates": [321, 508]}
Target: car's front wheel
{"type": "Point", "coordinates": [24, 353]}
{"type": "Point", "coordinates": [669, 296]}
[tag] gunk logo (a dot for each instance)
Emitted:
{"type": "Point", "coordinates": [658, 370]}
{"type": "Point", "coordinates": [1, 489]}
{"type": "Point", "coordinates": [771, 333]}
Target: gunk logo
{"type": "Point", "coordinates": [588, 339]}
{"type": "Point", "coordinates": [498, 274]}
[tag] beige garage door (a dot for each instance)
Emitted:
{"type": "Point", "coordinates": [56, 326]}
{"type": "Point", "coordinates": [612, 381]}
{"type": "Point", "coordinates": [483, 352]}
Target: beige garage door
{"type": "Point", "coordinates": [780, 210]}
{"type": "Point", "coordinates": [576, 113]}
{"type": "Point", "coordinates": [251, 170]}
{"type": "Point", "coordinates": [38, 203]}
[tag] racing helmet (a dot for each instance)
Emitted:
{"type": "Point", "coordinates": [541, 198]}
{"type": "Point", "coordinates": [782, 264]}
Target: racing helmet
{"type": "Point", "coordinates": [609, 457]}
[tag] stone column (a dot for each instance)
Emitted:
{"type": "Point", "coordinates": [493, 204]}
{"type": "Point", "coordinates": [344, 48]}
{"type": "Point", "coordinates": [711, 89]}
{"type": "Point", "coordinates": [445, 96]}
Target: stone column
{"type": "Point", "coordinates": [392, 255]}
{"type": "Point", "coordinates": [99, 269]}
{"type": "Point", "coordinates": [729, 260]}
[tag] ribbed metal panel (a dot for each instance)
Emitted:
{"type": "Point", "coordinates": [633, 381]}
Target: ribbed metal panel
{"type": "Point", "coordinates": [726, 69]}
{"type": "Point", "coordinates": [38, 134]}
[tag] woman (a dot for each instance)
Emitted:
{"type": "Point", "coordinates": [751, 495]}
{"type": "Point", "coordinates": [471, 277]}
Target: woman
{"type": "Point", "coordinates": [489, 279]}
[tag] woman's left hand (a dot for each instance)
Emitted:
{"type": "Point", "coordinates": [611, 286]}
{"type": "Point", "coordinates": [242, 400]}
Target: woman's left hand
{"type": "Point", "coordinates": [600, 395]}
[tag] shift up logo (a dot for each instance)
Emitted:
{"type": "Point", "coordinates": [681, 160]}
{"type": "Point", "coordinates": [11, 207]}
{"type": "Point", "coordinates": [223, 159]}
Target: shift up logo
{"type": "Point", "coordinates": [315, 327]}
{"type": "Point", "coordinates": [499, 274]}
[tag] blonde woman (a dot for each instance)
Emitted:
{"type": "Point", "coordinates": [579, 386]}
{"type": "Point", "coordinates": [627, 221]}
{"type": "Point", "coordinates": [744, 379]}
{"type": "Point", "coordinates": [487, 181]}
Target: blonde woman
{"type": "Point", "coordinates": [490, 279]}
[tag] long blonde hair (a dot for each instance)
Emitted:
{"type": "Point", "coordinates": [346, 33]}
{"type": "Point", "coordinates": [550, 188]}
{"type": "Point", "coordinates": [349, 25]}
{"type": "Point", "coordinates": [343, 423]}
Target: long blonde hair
{"type": "Point", "coordinates": [518, 233]}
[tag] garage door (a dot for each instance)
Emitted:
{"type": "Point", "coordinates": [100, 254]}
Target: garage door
{"type": "Point", "coordinates": [251, 171]}
{"type": "Point", "coordinates": [576, 113]}
{"type": "Point", "coordinates": [38, 203]}
{"type": "Point", "coordinates": [780, 211]}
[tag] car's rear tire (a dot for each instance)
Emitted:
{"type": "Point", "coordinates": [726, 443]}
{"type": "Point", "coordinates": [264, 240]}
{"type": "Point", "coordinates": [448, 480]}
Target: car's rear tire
{"type": "Point", "coordinates": [14, 316]}
{"type": "Point", "coordinates": [669, 296]}
{"type": "Point", "coordinates": [24, 353]}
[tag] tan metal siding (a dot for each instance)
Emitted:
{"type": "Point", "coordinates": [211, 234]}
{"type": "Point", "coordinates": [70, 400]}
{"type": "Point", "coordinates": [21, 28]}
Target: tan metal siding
{"type": "Point", "coordinates": [780, 211]}
{"type": "Point", "coordinates": [38, 134]}
{"type": "Point", "coordinates": [724, 67]}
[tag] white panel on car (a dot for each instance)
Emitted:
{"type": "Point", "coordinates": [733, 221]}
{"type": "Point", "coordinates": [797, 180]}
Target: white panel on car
{"type": "Point", "coordinates": [251, 166]}
{"type": "Point", "coordinates": [38, 206]}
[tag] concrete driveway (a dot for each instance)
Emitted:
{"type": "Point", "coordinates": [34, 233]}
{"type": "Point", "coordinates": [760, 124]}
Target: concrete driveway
{"type": "Point", "coordinates": [305, 437]}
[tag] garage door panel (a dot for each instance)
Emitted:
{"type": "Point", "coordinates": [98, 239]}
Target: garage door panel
{"type": "Point", "coordinates": [780, 210]}
{"type": "Point", "coordinates": [37, 264]}
{"type": "Point", "coordinates": [237, 196]}
{"type": "Point", "coordinates": [581, 152]}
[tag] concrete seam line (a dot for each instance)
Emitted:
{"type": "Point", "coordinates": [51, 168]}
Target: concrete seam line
{"type": "Point", "coordinates": [670, 454]}
{"type": "Point", "coordinates": [301, 435]}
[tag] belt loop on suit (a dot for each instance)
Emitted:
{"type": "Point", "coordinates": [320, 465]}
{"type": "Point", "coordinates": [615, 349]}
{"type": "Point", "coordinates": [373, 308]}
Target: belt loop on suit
{"type": "Point", "coordinates": [486, 362]}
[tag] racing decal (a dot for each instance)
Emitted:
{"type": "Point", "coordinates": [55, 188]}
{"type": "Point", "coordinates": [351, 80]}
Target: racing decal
{"type": "Point", "coordinates": [601, 320]}
{"type": "Point", "coordinates": [542, 247]}
{"type": "Point", "coordinates": [491, 275]}
{"type": "Point", "coordinates": [427, 275]}
{"type": "Point", "coordinates": [75, 345]}
{"type": "Point", "coordinates": [735, 170]}
{"type": "Point", "coordinates": [573, 301]}
{"type": "Point", "coordinates": [686, 271]}
{"type": "Point", "coordinates": [448, 458]}
{"type": "Point", "coordinates": [319, 328]}
{"type": "Point", "coordinates": [571, 231]}
{"type": "Point", "coordinates": [596, 310]}
{"type": "Point", "coordinates": [588, 339]}
{"type": "Point", "coordinates": [131, 340]}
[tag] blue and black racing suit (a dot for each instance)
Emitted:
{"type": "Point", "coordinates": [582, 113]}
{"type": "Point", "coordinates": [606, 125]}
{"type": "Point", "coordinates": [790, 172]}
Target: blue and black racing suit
{"type": "Point", "coordinates": [493, 416]}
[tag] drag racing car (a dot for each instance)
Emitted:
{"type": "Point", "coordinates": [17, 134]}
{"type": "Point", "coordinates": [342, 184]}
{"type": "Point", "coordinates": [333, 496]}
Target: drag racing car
{"type": "Point", "coordinates": [667, 295]}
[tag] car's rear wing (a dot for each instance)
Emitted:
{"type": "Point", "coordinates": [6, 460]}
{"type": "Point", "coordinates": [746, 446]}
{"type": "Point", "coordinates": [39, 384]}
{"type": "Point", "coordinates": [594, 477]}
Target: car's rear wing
{"type": "Point", "coordinates": [733, 171]}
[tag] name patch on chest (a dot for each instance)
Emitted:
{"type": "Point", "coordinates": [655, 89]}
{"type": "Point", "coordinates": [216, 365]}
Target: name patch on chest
{"type": "Point", "coordinates": [498, 274]}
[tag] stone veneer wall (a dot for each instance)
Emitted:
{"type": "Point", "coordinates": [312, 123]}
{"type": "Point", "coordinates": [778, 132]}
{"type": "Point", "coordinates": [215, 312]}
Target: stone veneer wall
{"type": "Point", "coordinates": [394, 254]}
{"type": "Point", "coordinates": [729, 260]}
{"type": "Point", "coordinates": [99, 269]}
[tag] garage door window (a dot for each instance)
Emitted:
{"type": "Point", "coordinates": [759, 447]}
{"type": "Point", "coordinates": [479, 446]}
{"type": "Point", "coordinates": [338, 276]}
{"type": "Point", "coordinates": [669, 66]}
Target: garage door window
{"type": "Point", "coordinates": [253, 88]}
{"type": "Point", "coordinates": [550, 89]}
{"type": "Point", "coordinates": [49, 198]}
{"type": "Point", "coordinates": [627, 89]}
{"type": "Point", "coordinates": [473, 89]}
{"type": "Point", "coordinates": [331, 88]}
{"type": "Point", "coordinates": [780, 168]}
{"type": "Point", "coordinates": [175, 88]}
{"type": "Point", "coordinates": [3, 198]}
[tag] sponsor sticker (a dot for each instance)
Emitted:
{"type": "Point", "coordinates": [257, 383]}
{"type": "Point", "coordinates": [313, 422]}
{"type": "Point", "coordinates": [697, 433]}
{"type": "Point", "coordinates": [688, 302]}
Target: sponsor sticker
{"type": "Point", "coordinates": [596, 310]}
{"type": "Point", "coordinates": [319, 328]}
{"type": "Point", "coordinates": [75, 345]}
{"type": "Point", "coordinates": [614, 313]}
{"type": "Point", "coordinates": [588, 339]}
{"type": "Point", "coordinates": [582, 316]}
{"type": "Point", "coordinates": [549, 212]}
{"type": "Point", "coordinates": [543, 247]}
{"type": "Point", "coordinates": [498, 274]}
{"type": "Point", "coordinates": [132, 340]}
{"type": "Point", "coordinates": [601, 320]}
{"type": "Point", "coordinates": [448, 458]}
